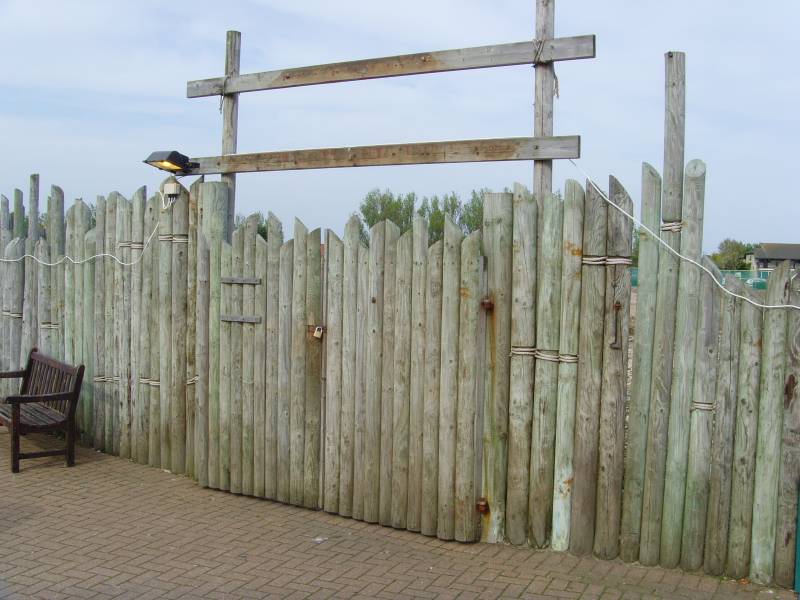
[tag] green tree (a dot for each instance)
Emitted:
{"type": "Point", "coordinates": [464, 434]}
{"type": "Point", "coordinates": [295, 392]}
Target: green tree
{"type": "Point", "coordinates": [730, 256]}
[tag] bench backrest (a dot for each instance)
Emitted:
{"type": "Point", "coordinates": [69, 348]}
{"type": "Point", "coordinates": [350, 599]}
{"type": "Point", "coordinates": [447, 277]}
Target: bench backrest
{"type": "Point", "coordinates": [46, 375]}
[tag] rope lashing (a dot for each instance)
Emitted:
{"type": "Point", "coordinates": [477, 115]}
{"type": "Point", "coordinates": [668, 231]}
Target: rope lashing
{"type": "Point", "coordinates": [607, 260]}
{"type": "Point", "coordinates": [707, 406]}
{"type": "Point", "coordinates": [538, 48]}
{"type": "Point", "coordinates": [673, 226]}
{"type": "Point", "coordinates": [546, 355]}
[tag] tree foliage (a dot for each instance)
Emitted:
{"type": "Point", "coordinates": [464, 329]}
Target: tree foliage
{"type": "Point", "coordinates": [730, 255]}
{"type": "Point", "coordinates": [401, 208]}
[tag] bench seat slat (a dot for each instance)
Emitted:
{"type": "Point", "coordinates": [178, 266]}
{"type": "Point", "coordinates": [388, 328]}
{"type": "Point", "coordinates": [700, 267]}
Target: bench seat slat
{"type": "Point", "coordinates": [33, 416]}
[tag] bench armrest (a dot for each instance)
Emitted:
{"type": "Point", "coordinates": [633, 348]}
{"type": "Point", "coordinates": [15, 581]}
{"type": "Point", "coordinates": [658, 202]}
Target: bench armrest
{"type": "Point", "coordinates": [17, 399]}
{"type": "Point", "coordinates": [12, 375]}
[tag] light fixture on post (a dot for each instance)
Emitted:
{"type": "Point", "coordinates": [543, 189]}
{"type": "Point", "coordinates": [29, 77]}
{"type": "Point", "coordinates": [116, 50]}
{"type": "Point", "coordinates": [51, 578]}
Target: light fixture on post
{"type": "Point", "coordinates": [171, 161]}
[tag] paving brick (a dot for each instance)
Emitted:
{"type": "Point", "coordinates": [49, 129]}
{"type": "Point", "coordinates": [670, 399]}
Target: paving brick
{"type": "Point", "coordinates": [109, 528]}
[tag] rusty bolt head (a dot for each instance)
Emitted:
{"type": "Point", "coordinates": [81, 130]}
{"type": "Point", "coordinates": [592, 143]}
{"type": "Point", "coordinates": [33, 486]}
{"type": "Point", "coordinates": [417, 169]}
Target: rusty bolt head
{"type": "Point", "coordinates": [487, 304]}
{"type": "Point", "coordinates": [482, 506]}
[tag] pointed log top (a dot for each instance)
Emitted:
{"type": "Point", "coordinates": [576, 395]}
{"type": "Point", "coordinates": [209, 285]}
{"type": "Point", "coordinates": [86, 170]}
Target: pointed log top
{"type": "Point", "coordinates": [56, 192]}
{"type": "Point", "coordinates": [141, 193]}
{"type": "Point", "coordinates": [353, 221]}
{"type": "Point", "coordinates": [572, 186]}
{"type": "Point", "coordinates": [299, 228]}
{"type": "Point", "coordinates": [650, 170]}
{"type": "Point", "coordinates": [333, 238]}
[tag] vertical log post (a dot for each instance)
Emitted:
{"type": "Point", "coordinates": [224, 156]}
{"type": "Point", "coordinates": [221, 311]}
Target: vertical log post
{"type": "Point", "coordinates": [666, 301]}
{"type": "Point", "coordinates": [770, 424]}
{"type": "Point", "coordinates": [392, 233]}
{"type": "Point", "coordinates": [639, 404]}
{"type": "Point", "coordinates": [448, 378]}
{"type": "Point", "coordinates": [350, 373]}
{"type": "Point", "coordinates": [374, 365]}
{"type": "Point", "coordinates": [230, 124]}
{"type": "Point", "coordinates": [274, 354]}
{"type": "Point", "coordinates": [571, 264]}
{"type": "Point", "coordinates": [402, 380]}
{"type": "Point", "coordinates": [521, 368]}
{"type": "Point", "coordinates": [545, 391]}
{"type": "Point", "coordinates": [334, 417]}
{"type": "Point", "coordinates": [417, 376]}
{"type": "Point", "coordinates": [433, 350]}
{"type": "Point", "coordinates": [704, 387]}
{"type": "Point", "coordinates": [313, 369]}
{"type": "Point", "coordinates": [498, 217]}
{"type": "Point", "coordinates": [590, 352]}
{"type": "Point", "coordinates": [718, 517]}
{"type": "Point", "coordinates": [611, 444]}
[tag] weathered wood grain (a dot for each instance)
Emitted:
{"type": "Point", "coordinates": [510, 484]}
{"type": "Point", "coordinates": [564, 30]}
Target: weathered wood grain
{"type": "Point", "coordinates": [263, 416]}
{"type": "Point", "coordinates": [461, 151]}
{"type": "Point", "coordinates": [744, 449]}
{"type": "Point", "coordinates": [545, 391]}
{"type": "Point", "coordinates": [165, 333]}
{"type": "Point", "coordinates": [683, 365]}
{"type": "Point", "coordinates": [139, 443]}
{"type": "Point", "coordinates": [299, 328]}
{"type": "Point", "coordinates": [704, 388]}
{"type": "Point", "coordinates": [362, 336]}
{"type": "Point", "coordinates": [666, 301]}
{"type": "Point", "coordinates": [470, 378]}
{"type": "Point", "coordinates": [334, 418]}
{"type": "Point", "coordinates": [718, 517]}
{"type": "Point", "coordinates": [349, 370]}
{"type": "Point", "coordinates": [521, 368]}
{"type": "Point", "coordinates": [237, 367]}
{"type": "Point", "coordinates": [87, 391]}
{"type": "Point", "coordinates": [214, 200]}
{"type": "Point", "coordinates": [374, 366]}
{"type": "Point", "coordinates": [448, 379]}
{"type": "Point", "coordinates": [498, 217]}
{"type": "Point", "coordinates": [313, 369]}
{"type": "Point", "coordinates": [590, 353]}
{"type": "Point", "coordinates": [273, 356]}
{"type": "Point", "coordinates": [230, 123]}
{"type": "Point", "coordinates": [611, 444]}
{"type": "Point", "coordinates": [433, 348]}
{"type": "Point", "coordinates": [786, 526]}
{"type": "Point", "coordinates": [108, 338]}
{"type": "Point", "coordinates": [417, 377]}
{"type": "Point", "coordinates": [639, 403]}
{"type": "Point", "coordinates": [571, 264]}
{"type": "Point", "coordinates": [392, 233]}
{"type": "Point", "coordinates": [284, 375]}
{"type": "Point", "coordinates": [203, 313]}
{"type": "Point", "coordinates": [179, 299]}
{"type": "Point", "coordinates": [770, 422]}
{"type": "Point", "coordinates": [225, 370]}
{"type": "Point", "coordinates": [191, 324]}
{"type": "Point", "coordinates": [518, 53]}
{"type": "Point", "coordinates": [152, 257]}
{"type": "Point", "coordinates": [248, 357]}
{"type": "Point", "coordinates": [401, 395]}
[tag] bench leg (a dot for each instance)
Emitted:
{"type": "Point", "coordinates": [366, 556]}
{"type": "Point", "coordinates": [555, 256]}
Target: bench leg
{"type": "Point", "coordinates": [15, 438]}
{"type": "Point", "coordinates": [70, 443]}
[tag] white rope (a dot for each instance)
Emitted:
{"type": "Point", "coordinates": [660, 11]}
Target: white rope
{"type": "Point", "coordinates": [548, 355]}
{"type": "Point", "coordinates": [671, 249]}
{"type": "Point", "coordinates": [673, 226]}
{"type": "Point", "coordinates": [165, 205]}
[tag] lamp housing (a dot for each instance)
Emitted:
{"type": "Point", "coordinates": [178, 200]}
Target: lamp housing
{"type": "Point", "coordinates": [171, 161]}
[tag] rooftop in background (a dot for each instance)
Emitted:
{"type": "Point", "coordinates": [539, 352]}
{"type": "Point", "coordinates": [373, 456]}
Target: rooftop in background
{"type": "Point", "coordinates": [767, 256]}
{"type": "Point", "coordinates": [778, 252]}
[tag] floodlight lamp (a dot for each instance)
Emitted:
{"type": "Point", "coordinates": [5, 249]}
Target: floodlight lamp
{"type": "Point", "coordinates": [171, 161]}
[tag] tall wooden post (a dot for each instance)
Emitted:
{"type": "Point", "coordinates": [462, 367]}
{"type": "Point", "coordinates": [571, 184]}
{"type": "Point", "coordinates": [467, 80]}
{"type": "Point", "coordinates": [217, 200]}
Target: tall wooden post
{"type": "Point", "coordinates": [543, 103]}
{"type": "Point", "coordinates": [230, 122]}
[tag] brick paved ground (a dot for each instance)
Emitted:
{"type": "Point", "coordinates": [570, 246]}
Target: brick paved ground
{"type": "Point", "coordinates": [109, 528]}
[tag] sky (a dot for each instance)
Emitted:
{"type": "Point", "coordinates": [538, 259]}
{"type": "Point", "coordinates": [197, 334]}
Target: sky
{"type": "Point", "coordinates": [90, 88]}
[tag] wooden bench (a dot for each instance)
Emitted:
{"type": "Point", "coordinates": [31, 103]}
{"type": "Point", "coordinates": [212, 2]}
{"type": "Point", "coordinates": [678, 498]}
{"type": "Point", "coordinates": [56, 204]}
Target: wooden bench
{"type": "Point", "coordinates": [46, 401]}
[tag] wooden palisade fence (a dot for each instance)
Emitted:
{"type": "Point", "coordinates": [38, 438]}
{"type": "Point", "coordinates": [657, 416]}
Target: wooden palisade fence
{"type": "Point", "coordinates": [407, 383]}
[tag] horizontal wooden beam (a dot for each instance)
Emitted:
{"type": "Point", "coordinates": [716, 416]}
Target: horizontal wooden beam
{"type": "Point", "coordinates": [463, 151]}
{"type": "Point", "coordinates": [481, 57]}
